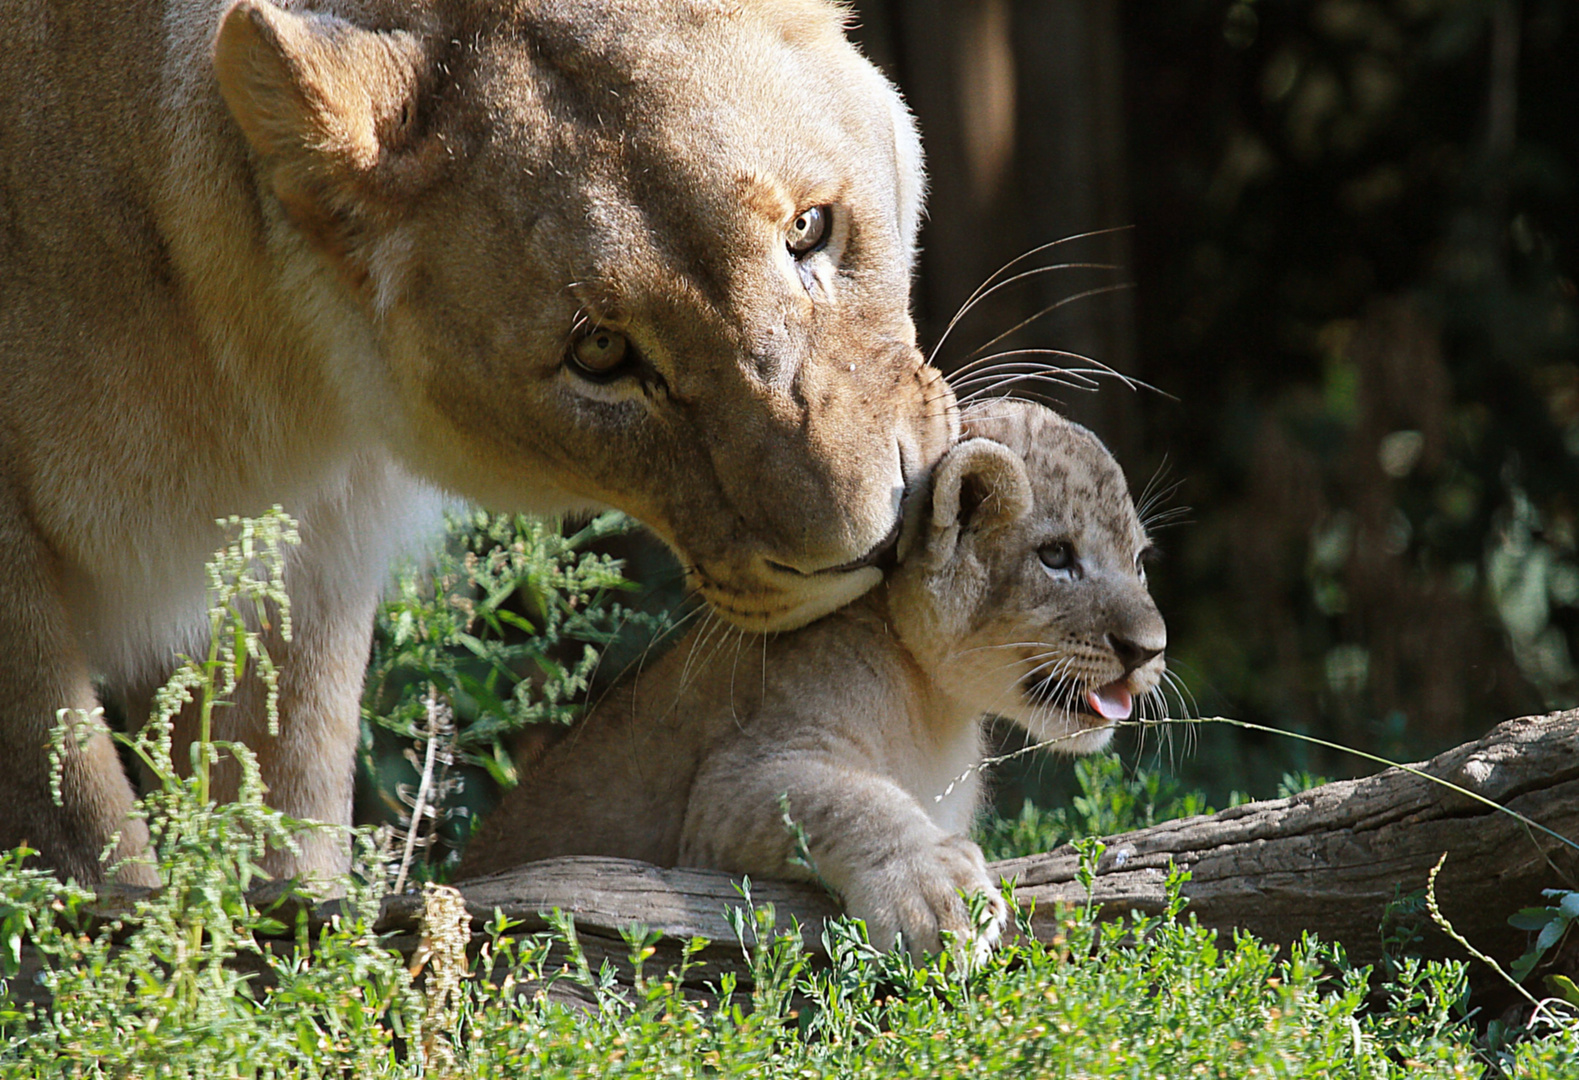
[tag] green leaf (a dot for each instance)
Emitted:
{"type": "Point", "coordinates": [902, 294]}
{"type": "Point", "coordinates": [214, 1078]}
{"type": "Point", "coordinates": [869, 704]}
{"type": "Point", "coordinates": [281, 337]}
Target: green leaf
{"type": "Point", "coordinates": [13, 950]}
{"type": "Point", "coordinates": [241, 650]}
{"type": "Point", "coordinates": [1563, 987]}
{"type": "Point", "coordinates": [473, 645]}
{"type": "Point", "coordinates": [516, 621]}
{"type": "Point", "coordinates": [486, 699]}
{"type": "Point", "coordinates": [1521, 967]}
{"type": "Point", "coordinates": [1531, 918]}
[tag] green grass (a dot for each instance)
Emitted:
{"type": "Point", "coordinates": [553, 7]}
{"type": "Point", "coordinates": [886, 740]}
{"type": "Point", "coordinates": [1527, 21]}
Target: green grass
{"type": "Point", "coordinates": [1145, 997]}
{"type": "Point", "coordinates": [198, 981]}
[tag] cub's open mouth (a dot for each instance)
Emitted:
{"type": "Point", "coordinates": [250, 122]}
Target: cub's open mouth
{"type": "Point", "coordinates": [1111, 701]}
{"type": "Point", "coordinates": [885, 546]}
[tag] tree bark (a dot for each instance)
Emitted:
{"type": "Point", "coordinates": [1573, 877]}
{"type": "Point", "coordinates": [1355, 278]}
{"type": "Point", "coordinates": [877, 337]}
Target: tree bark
{"type": "Point", "coordinates": [1330, 860]}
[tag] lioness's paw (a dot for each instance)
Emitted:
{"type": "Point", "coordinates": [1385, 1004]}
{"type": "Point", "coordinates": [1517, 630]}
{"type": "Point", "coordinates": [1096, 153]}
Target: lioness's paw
{"type": "Point", "coordinates": [920, 896]}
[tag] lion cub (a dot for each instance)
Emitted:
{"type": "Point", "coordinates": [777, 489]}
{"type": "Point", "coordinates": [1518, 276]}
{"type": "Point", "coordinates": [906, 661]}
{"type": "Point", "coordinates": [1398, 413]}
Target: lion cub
{"type": "Point", "coordinates": [1022, 595]}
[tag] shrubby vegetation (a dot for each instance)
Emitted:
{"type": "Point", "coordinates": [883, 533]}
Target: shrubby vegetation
{"type": "Point", "coordinates": [202, 978]}
{"type": "Point", "coordinates": [504, 628]}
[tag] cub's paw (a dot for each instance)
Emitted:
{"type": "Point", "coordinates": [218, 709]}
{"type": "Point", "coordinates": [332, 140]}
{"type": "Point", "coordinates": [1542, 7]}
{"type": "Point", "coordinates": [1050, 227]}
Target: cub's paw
{"type": "Point", "coordinates": [919, 894]}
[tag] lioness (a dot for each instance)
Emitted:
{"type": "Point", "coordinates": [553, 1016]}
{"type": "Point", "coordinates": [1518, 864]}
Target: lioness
{"type": "Point", "coordinates": [345, 254]}
{"type": "Point", "coordinates": [1025, 597]}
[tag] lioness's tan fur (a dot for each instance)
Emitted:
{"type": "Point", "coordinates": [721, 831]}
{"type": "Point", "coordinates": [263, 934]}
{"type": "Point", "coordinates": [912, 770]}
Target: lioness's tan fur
{"type": "Point", "coordinates": [869, 721]}
{"type": "Point", "coordinates": [332, 254]}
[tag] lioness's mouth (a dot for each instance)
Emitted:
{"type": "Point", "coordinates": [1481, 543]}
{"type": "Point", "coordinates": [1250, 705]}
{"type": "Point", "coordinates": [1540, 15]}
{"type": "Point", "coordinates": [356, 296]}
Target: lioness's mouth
{"type": "Point", "coordinates": [885, 546]}
{"type": "Point", "coordinates": [1108, 702]}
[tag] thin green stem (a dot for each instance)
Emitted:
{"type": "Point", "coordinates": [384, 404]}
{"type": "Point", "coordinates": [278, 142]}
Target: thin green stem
{"type": "Point", "coordinates": [205, 715]}
{"type": "Point", "coordinates": [1410, 769]}
{"type": "Point", "coordinates": [1448, 929]}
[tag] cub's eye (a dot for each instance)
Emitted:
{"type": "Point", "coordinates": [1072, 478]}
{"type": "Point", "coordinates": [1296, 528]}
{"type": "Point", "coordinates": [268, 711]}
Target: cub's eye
{"type": "Point", "coordinates": [1059, 555]}
{"type": "Point", "coordinates": [809, 231]}
{"type": "Point", "coordinates": [600, 354]}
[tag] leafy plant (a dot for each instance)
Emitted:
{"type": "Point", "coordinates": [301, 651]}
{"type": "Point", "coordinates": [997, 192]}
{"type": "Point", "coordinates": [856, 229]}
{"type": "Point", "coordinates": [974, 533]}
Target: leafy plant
{"type": "Point", "coordinates": [200, 979]}
{"type": "Point", "coordinates": [1111, 800]}
{"type": "Point", "coordinates": [191, 979]}
{"type": "Point", "coordinates": [502, 628]}
{"type": "Point", "coordinates": [1550, 925]}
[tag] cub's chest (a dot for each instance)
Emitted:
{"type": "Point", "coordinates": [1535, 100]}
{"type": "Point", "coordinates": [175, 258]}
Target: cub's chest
{"type": "Point", "coordinates": [942, 773]}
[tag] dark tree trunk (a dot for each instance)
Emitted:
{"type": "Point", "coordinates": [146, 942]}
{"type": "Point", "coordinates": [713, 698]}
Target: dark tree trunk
{"type": "Point", "coordinates": [1021, 106]}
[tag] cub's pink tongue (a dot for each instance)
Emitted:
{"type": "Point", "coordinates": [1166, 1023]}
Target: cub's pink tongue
{"type": "Point", "coordinates": [1110, 702]}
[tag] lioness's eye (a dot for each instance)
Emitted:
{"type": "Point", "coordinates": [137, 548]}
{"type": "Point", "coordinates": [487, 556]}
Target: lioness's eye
{"type": "Point", "coordinates": [809, 231]}
{"type": "Point", "coordinates": [600, 353]}
{"type": "Point", "coordinates": [1059, 555]}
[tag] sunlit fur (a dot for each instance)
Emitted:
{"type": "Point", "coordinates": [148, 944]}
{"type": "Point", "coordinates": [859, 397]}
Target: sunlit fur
{"type": "Point", "coordinates": [869, 721]}
{"type": "Point", "coordinates": [333, 254]}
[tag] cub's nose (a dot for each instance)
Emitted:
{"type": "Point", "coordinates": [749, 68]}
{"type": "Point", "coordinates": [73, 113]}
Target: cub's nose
{"type": "Point", "coordinates": [1132, 654]}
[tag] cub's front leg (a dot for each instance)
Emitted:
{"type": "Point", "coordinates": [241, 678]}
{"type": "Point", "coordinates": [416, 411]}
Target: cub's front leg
{"type": "Point", "coordinates": [868, 838]}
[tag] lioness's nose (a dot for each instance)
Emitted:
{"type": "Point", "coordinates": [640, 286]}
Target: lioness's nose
{"type": "Point", "coordinates": [1131, 654]}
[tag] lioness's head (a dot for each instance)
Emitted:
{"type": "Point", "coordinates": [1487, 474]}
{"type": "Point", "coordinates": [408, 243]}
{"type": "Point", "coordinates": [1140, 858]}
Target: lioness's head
{"type": "Point", "coordinates": [653, 254]}
{"type": "Point", "coordinates": [1026, 595]}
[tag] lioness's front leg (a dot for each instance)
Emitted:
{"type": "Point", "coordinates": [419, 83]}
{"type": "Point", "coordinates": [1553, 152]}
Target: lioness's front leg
{"type": "Point", "coordinates": [334, 579]}
{"type": "Point", "coordinates": [868, 838]}
{"type": "Point", "coordinates": [42, 670]}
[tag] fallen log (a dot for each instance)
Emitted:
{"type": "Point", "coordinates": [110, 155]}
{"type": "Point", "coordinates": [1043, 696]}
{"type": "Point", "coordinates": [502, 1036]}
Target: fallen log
{"type": "Point", "coordinates": [1329, 860]}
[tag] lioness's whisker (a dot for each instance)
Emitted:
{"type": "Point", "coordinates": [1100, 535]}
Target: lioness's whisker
{"type": "Point", "coordinates": [992, 278]}
{"type": "Point", "coordinates": [687, 610]}
{"type": "Point", "coordinates": [1048, 310]}
{"type": "Point", "coordinates": [964, 369]}
{"type": "Point", "coordinates": [997, 388]}
{"type": "Point", "coordinates": [1077, 378]}
{"type": "Point", "coordinates": [709, 624]}
{"type": "Point", "coordinates": [1071, 377]}
{"type": "Point", "coordinates": [714, 649]}
{"type": "Point", "coordinates": [1004, 284]}
{"type": "Point", "coordinates": [1097, 368]}
{"type": "Point", "coordinates": [740, 643]}
{"type": "Point", "coordinates": [987, 386]}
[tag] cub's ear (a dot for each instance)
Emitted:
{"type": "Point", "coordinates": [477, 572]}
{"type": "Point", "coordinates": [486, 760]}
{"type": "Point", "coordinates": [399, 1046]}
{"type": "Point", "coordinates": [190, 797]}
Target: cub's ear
{"type": "Point", "coordinates": [329, 108]}
{"type": "Point", "coordinates": [978, 486]}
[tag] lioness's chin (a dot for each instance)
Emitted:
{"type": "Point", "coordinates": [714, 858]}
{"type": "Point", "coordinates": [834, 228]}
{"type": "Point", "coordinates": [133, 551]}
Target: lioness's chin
{"type": "Point", "coordinates": [790, 601]}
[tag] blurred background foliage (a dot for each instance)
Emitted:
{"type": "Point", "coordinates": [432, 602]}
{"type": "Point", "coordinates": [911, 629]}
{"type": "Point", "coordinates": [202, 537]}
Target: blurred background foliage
{"type": "Point", "coordinates": [1350, 261]}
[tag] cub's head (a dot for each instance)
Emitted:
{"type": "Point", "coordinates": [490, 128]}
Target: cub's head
{"type": "Point", "coordinates": [1025, 594]}
{"type": "Point", "coordinates": [653, 254]}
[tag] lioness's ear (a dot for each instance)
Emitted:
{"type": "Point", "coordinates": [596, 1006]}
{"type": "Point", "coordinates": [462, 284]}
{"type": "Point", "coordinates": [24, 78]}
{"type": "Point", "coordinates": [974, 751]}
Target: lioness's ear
{"type": "Point", "coordinates": [979, 485]}
{"type": "Point", "coordinates": [326, 106]}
